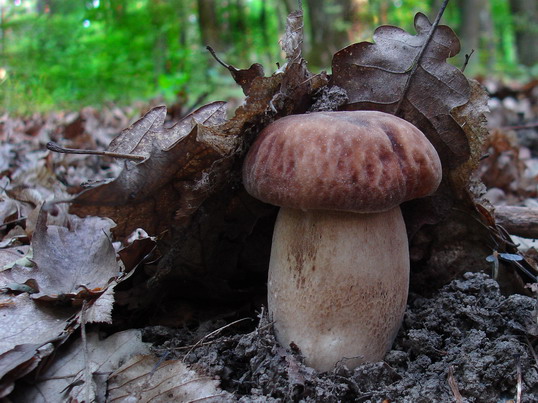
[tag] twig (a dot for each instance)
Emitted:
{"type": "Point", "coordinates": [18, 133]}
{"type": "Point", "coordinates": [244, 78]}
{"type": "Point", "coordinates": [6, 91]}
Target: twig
{"type": "Point", "coordinates": [466, 62]}
{"type": "Point", "coordinates": [12, 222]}
{"type": "Point", "coordinates": [453, 385]}
{"type": "Point", "coordinates": [521, 127]}
{"type": "Point", "coordinates": [213, 333]}
{"type": "Point", "coordinates": [416, 62]}
{"type": "Point", "coordinates": [87, 365]}
{"type": "Point", "coordinates": [59, 149]}
{"type": "Point", "coordinates": [218, 59]}
{"type": "Point", "coordinates": [519, 387]}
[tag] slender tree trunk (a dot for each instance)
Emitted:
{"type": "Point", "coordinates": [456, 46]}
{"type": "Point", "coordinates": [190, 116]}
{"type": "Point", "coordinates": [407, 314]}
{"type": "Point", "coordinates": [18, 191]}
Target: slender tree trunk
{"type": "Point", "coordinates": [210, 30]}
{"type": "Point", "coordinates": [326, 36]}
{"type": "Point", "coordinates": [470, 30]}
{"type": "Point", "coordinates": [525, 14]}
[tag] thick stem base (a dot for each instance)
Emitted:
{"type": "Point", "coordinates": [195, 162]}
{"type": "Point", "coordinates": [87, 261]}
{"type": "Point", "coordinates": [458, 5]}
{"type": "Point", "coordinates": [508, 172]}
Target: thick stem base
{"type": "Point", "coordinates": [338, 284]}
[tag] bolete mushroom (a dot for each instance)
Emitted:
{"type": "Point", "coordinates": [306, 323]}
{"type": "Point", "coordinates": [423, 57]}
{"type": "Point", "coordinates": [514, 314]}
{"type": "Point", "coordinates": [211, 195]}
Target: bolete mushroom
{"type": "Point", "coordinates": [339, 266]}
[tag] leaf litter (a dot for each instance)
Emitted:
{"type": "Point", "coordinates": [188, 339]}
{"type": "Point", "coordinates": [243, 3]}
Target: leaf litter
{"type": "Point", "coordinates": [184, 188]}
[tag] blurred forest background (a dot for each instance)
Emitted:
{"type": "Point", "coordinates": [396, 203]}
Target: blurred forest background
{"type": "Point", "coordinates": [65, 54]}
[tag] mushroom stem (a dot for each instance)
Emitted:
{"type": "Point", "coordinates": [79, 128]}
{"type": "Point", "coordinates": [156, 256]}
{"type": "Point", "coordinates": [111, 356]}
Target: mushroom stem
{"type": "Point", "coordinates": [338, 284]}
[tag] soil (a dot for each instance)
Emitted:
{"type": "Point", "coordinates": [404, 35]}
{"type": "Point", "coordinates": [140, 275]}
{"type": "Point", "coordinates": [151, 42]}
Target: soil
{"type": "Point", "coordinates": [467, 343]}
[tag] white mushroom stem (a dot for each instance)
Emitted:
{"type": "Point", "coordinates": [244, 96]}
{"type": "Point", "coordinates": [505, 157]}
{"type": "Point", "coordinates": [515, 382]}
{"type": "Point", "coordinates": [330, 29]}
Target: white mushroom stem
{"type": "Point", "coordinates": [338, 284]}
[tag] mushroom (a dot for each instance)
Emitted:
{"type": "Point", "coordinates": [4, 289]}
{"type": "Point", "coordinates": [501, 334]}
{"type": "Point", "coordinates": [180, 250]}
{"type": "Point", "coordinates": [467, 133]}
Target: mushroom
{"type": "Point", "coordinates": [339, 266]}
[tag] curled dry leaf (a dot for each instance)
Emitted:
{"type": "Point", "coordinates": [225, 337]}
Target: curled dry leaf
{"type": "Point", "coordinates": [19, 361]}
{"type": "Point", "coordinates": [382, 76]}
{"type": "Point", "coordinates": [147, 194]}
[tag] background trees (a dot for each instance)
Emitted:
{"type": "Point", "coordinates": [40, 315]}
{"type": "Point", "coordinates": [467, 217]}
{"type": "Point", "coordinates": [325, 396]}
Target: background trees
{"type": "Point", "coordinates": [67, 53]}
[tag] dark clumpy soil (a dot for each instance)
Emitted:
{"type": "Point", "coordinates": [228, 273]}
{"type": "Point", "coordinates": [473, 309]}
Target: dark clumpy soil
{"type": "Point", "coordinates": [468, 343]}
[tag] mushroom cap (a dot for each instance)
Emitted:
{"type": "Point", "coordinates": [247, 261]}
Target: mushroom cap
{"type": "Point", "coordinates": [359, 161]}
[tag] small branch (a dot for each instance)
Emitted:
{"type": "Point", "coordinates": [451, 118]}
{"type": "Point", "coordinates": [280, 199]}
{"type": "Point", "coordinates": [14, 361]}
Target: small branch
{"type": "Point", "coordinates": [519, 221]}
{"type": "Point", "coordinates": [467, 58]}
{"type": "Point", "coordinates": [218, 59]}
{"type": "Point", "coordinates": [87, 374]}
{"type": "Point", "coordinates": [59, 149]}
{"type": "Point", "coordinates": [454, 385]}
{"type": "Point", "coordinates": [21, 219]}
{"type": "Point", "coordinates": [521, 127]}
{"type": "Point", "coordinates": [416, 62]}
{"type": "Point", "coordinates": [213, 333]}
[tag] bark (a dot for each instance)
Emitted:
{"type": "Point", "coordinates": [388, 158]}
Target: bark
{"type": "Point", "coordinates": [520, 221]}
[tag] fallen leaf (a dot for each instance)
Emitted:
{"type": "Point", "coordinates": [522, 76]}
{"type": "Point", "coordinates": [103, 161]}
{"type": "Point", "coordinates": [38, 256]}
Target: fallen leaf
{"type": "Point", "coordinates": [29, 332]}
{"type": "Point", "coordinates": [146, 379]}
{"type": "Point", "coordinates": [18, 362]}
{"type": "Point", "coordinates": [24, 321]}
{"type": "Point", "coordinates": [63, 379]}
{"type": "Point", "coordinates": [148, 194]}
{"type": "Point", "coordinates": [100, 310]}
{"type": "Point", "coordinates": [382, 76]}
{"type": "Point", "coordinates": [67, 259]}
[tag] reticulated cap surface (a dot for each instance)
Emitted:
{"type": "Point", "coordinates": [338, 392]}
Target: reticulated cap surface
{"type": "Point", "coordinates": [361, 161]}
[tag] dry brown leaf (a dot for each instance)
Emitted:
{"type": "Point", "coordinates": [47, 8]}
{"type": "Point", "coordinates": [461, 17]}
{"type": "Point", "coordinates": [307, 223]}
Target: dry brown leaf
{"type": "Point", "coordinates": [27, 333]}
{"type": "Point", "coordinates": [23, 321]}
{"type": "Point", "coordinates": [381, 76]}
{"type": "Point", "coordinates": [145, 379]}
{"type": "Point", "coordinates": [63, 379]}
{"type": "Point", "coordinates": [148, 194]}
{"type": "Point", "coordinates": [19, 361]}
{"type": "Point", "coordinates": [245, 77]}
{"type": "Point", "coordinates": [70, 261]}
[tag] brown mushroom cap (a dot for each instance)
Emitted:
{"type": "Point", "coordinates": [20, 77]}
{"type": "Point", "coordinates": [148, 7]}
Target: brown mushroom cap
{"type": "Point", "coordinates": [360, 161]}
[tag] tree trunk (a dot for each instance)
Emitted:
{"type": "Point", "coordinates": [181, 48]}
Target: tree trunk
{"type": "Point", "coordinates": [208, 23]}
{"type": "Point", "coordinates": [525, 14]}
{"type": "Point", "coordinates": [470, 30]}
{"type": "Point", "coordinates": [326, 32]}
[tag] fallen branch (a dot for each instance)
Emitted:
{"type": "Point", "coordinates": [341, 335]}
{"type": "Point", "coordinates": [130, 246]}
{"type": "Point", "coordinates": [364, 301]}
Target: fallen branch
{"type": "Point", "coordinates": [519, 221]}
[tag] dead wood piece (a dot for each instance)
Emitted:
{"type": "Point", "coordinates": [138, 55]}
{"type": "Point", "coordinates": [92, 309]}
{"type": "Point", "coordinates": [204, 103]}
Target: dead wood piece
{"type": "Point", "coordinates": [520, 221]}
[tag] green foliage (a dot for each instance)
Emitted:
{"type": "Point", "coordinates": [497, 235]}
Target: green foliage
{"type": "Point", "coordinates": [77, 53]}
{"type": "Point", "coordinates": [81, 58]}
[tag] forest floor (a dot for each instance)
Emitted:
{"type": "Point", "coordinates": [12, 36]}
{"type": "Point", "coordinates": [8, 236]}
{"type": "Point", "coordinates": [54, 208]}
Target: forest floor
{"type": "Point", "coordinates": [467, 342]}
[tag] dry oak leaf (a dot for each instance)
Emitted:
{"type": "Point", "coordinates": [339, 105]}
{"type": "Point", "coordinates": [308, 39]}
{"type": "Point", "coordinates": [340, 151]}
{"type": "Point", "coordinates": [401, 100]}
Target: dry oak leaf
{"type": "Point", "coordinates": [63, 379]}
{"type": "Point", "coordinates": [29, 332]}
{"type": "Point", "coordinates": [145, 378]}
{"type": "Point", "coordinates": [70, 261]}
{"type": "Point", "coordinates": [148, 194]}
{"type": "Point", "coordinates": [385, 76]}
